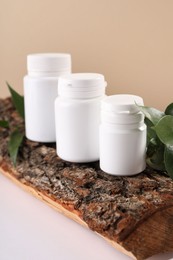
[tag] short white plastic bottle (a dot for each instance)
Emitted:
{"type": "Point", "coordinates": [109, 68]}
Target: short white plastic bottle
{"type": "Point", "coordinates": [77, 113]}
{"type": "Point", "coordinates": [40, 92]}
{"type": "Point", "coordinates": [122, 135]}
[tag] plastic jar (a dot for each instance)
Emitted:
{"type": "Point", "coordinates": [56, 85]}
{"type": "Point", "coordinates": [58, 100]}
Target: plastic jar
{"type": "Point", "coordinates": [122, 135]}
{"type": "Point", "coordinates": [40, 92]}
{"type": "Point", "coordinates": [77, 113]}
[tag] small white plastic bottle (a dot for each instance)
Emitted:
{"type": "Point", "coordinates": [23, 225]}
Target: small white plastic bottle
{"type": "Point", "coordinates": [40, 92]}
{"type": "Point", "coordinates": [122, 135]}
{"type": "Point", "coordinates": [77, 113]}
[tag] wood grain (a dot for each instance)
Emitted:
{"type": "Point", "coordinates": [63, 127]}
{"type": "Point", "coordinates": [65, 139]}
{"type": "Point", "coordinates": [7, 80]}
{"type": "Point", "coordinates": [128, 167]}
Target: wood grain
{"type": "Point", "coordinates": [134, 214]}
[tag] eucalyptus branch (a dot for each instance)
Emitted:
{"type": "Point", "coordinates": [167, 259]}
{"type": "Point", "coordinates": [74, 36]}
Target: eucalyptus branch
{"type": "Point", "coordinates": [16, 137]}
{"type": "Point", "coordinates": [159, 138]}
{"type": "Point", "coordinates": [17, 100]}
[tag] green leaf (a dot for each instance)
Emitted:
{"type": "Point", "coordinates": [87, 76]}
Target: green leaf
{"type": "Point", "coordinates": [169, 109]}
{"type": "Point", "coordinates": [164, 130]}
{"type": "Point", "coordinates": [168, 158]}
{"type": "Point", "coordinates": [156, 160]}
{"type": "Point", "coordinates": [152, 114]}
{"type": "Point", "coordinates": [14, 143]}
{"type": "Point", "coordinates": [156, 166]}
{"type": "Point", "coordinates": [150, 131]}
{"type": "Point", "coordinates": [151, 147]}
{"type": "Point", "coordinates": [4, 124]}
{"type": "Point", "coordinates": [18, 101]}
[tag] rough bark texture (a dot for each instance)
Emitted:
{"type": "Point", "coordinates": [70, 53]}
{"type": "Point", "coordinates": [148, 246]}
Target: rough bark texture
{"type": "Point", "coordinates": [131, 211]}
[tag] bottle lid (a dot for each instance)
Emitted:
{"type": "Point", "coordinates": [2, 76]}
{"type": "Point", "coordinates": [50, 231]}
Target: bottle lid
{"type": "Point", "coordinates": [81, 85]}
{"type": "Point", "coordinates": [122, 103]}
{"type": "Point", "coordinates": [48, 62]}
{"type": "Point", "coordinates": [121, 109]}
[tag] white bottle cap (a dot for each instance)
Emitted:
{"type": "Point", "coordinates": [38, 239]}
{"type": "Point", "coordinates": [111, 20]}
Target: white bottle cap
{"type": "Point", "coordinates": [82, 85]}
{"type": "Point", "coordinates": [48, 64]}
{"type": "Point", "coordinates": [121, 109]}
{"type": "Point", "coordinates": [122, 103]}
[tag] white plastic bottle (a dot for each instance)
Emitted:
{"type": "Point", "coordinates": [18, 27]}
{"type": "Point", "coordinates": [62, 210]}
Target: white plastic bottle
{"type": "Point", "coordinates": [40, 92]}
{"type": "Point", "coordinates": [122, 135]}
{"type": "Point", "coordinates": [77, 113]}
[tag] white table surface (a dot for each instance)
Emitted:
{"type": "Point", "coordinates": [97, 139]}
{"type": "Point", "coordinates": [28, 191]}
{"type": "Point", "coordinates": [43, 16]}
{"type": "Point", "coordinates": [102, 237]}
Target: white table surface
{"type": "Point", "coordinates": [30, 230]}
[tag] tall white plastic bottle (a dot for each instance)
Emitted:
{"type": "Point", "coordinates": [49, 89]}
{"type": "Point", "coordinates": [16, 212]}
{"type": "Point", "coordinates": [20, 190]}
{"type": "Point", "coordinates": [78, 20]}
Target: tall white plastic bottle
{"type": "Point", "coordinates": [40, 92]}
{"type": "Point", "coordinates": [77, 113]}
{"type": "Point", "coordinates": [122, 135]}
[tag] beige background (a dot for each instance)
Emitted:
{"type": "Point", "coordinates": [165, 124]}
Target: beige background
{"type": "Point", "coordinates": [129, 41]}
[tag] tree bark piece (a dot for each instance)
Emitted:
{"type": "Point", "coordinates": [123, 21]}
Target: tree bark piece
{"type": "Point", "coordinates": [135, 214]}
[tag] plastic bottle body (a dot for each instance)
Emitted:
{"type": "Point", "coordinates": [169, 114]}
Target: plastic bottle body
{"type": "Point", "coordinates": [77, 129]}
{"type": "Point", "coordinates": [40, 92]}
{"type": "Point", "coordinates": [77, 116]}
{"type": "Point", "coordinates": [40, 95]}
{"type": "Point", "coordinates": [122, 137]}
{"type": "Point", "coordinates": [122, 152]}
